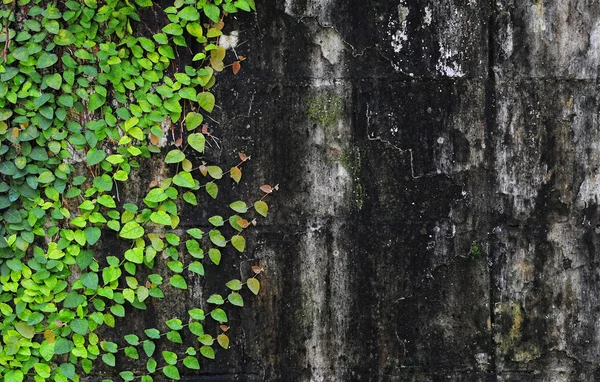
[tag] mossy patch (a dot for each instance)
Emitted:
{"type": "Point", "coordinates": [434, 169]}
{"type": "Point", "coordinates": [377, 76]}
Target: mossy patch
{"type": "Point", "coordinates": [510, 336]}
{"type": "Point", "coordinates": [325, 110]}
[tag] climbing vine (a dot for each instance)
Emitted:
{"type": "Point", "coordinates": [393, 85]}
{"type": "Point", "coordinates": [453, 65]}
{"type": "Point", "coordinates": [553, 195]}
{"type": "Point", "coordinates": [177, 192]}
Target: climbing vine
{"type": "Point", "coordinates": [88, 92]}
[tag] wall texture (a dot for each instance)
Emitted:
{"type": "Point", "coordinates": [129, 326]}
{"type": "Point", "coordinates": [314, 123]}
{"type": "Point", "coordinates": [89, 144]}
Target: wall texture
{"type": "Point", "coordinates": [439, 165]}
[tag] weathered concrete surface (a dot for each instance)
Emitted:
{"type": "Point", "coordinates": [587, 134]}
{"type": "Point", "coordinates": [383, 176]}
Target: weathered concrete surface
{"type": "Point", "coordinates": [438, 215]}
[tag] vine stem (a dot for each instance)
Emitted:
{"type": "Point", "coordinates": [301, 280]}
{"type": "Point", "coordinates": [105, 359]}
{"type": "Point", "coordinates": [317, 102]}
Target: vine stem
{"type": "Point", "coordinates": [7, 42]}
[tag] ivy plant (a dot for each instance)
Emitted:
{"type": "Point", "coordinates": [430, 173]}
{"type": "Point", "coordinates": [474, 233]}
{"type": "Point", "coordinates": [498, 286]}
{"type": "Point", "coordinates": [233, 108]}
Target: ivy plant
{"type": "Point", "coordinates": [88, 92]}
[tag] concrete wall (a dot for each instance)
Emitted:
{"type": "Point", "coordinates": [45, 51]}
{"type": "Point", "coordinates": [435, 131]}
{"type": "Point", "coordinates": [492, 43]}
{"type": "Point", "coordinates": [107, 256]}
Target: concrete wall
{"type": "Point", "coordinates": [439, 165]}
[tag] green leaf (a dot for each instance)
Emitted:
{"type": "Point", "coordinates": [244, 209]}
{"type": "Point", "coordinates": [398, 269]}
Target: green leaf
{"type": "Point", "coordinates": [94, 156]}
{"type": "Point", "coordinates": [235, 299]}
{"type": "Point", "coordinates": [107, 201]}
{"type": "Point", "coordinates": [53, 80]}
{"type": "Point", "coordinates": [216, 299]}
{"type": "Point", "coordinates": [42, 370]}
{"type": "Point", "coordinates": [234, 284]}
{"type": "Point", "coordinates": [108, 346]}
{"type": "Point", "coordinates": [189, 14]}
{"type": "Point", "coordinates": [195, 29]}
{"type": "Point", "coordinates": [25, 330]}
{"type": "Point", "coordinates": [96, 101]}
{"type": "Point", "coordinates": [196, 328]}
{"type": "Point", "coordinates": [196, 314]}
{"type": "Point", "coordinates": [174, 156]}
{"type": "Point", "coordinates": [160, 217]}
{"type": "Point", "coordinates": [47, 350]}
{"type": "Point", "coordinates": [13, 376]}
{"type": "Point", "coordinates": [238, 243]}
{"type": "Point", "coordinates": [151, 365]}
{"type": "Point", "coordinates": [171, 372]}
{"type": "Point", "coordinates": [149, 348]}
{"type": "Point", "coordinates": [131, 230]}
{"type": "Point", "coordinates": [219, 315]}
{"type": "Point", "coordinates": [152, 333]}
{"type": "Point", "coordinates": [206, 100]}
{"type": "Point", "coordinates": [135, 255]}
{"type": "Point", "coordinates": [261, 207]}
{"type": "Point", "coordinates": [169, 357]}
{"type": "Point", "coordinates": [132, 339]}
{"type": "Point", "coordinates": [191, 363]}
{"type": "Point", "coordinates": [178, 282]}
{"type": "Point", "coordinates": [132, 352]}
{"type": "Point", "coordinates": [118, 310]}
{"type": "Point", "coordinates": [239, 207]}
{"type": "Point", "coordinates": [206, 339]}
{"type": "Point", "coordinates": [212, 12]}
{"type": "Point", "coordinates": [46, 60]}
{"type": "Point", "coordinates": [173, 29]}
{"type": "Point", "coordinates": [217, 239]}
{"type": "Point", "coordinates": [216, 220]}
{"type": "Point", "coordinates": [215, 172]}
{"type": "Point", "coordinates": [64, 37]}
{"type": "Point", "coordinates": [197, 268]}
{"type": "Point", "coordinates": [207, 352]}
{"type": "Point", "coordinates": [174, 337]}
{"type": "Point", "coordinates": [197, 141]}
{"type": "Point", "coordinates": [121, 176]}
{"type": "Point", "coordinates": [254, 285]}
{"type": "Point", "coordinates": [109, 359]}
{"type": "Point", "coordinates": [90, 280]}
{"type": "Point", "coordinates": [156, 195]}
{"type": "Point", "coordinates": [212, 189]}
{"type": "Point", "coordinates": [195, 233]}
{"type": "Point", "coordinates": [127, 375]}
{"type": "Point", "coordinates": [175, 266]}
{"type": "Point", "coordinates": [184, 179]}
{"type": "Point", "coordinates": [92, 235]}
{"type": "Point", "coordinates": [80, 326]}
{"type": "Point", "coordinates": [174, 324]}
{"type": "Point", "coordinates": [190, 198]}
{"type": "Point", "coordinates": [193, 120]}
{"type": "Point", "coordinates": [214, 255]}
{"type": "Point", "coordinates": [188, 93]}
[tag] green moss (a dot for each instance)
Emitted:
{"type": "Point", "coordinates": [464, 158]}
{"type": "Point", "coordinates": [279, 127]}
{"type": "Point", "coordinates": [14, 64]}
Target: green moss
{"type": "Point", "coordinates": [527, 352]}
{"type": "Point", "coordinates": [510, 337]}
{"type": "Point", "coordinates": [325, 110]}
{"type": "Point", "coordinates": [475, 250]}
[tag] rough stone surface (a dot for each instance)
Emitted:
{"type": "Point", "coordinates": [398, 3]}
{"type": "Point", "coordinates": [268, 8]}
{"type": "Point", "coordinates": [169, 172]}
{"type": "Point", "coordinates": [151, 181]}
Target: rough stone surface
{"type": "Point", "coordinates": [439, 165]}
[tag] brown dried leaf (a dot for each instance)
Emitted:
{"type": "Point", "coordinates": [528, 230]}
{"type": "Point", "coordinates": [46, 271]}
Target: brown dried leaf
{"type": "Point", "coordinates": [49, 336]}
{"type": "Point", "coordinates": [243, 157]}
{"type": "Point", "coordinates": [220, 25]}
{"type": "Point", "coordinates": [153, 139]}
{"type": "Point", "coordinates": [256, 269]}
{"type": "Point", "coordinates": [243, 223]}
{"type": "Point", "coordinates": [179, 142]}
{"type": "Point", "coordinates": [236, 67]}
{"type": "Point", "coordinates": [224, 328]}
{"type": "Point", "coordinates": [266, 189]}
{"type": "Point", "coordinates": [203, 170]}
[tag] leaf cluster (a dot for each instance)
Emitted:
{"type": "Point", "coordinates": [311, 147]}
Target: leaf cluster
{"type": "Point", "coordinates": [83, 101]}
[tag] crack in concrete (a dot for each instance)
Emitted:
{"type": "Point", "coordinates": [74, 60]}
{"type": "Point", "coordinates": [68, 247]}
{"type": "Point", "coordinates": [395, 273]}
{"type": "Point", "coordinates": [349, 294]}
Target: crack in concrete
{"type": "Point", "coordinates": [372, 137]}
{"type": "Point", "coordinates": [354, 53]}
